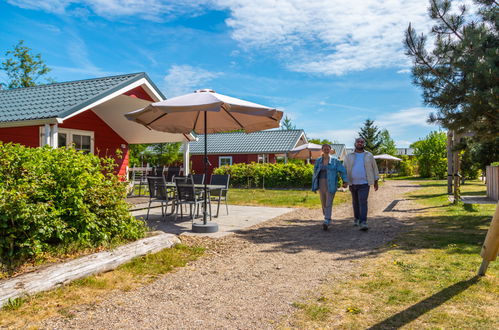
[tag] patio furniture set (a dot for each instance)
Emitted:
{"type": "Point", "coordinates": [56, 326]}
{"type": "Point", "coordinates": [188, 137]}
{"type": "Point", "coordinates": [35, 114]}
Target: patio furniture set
{"type": "Point", "coordinates": [178, 191]}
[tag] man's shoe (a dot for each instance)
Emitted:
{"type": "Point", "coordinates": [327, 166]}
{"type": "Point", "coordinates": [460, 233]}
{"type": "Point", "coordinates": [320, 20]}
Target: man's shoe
{"type": "Point", "coordinates": [363, 226]}
{"type": "Point", "coordinates": [356, 222]}
{"type": "Point", "coordinates": [325, 225]}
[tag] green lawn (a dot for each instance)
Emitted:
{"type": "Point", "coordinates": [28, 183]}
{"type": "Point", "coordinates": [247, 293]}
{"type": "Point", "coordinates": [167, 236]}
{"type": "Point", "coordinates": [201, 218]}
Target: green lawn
{"type": "Point", "coordinates": [426, 278]}
{"type": "Point", "coordinates": [281, 197]}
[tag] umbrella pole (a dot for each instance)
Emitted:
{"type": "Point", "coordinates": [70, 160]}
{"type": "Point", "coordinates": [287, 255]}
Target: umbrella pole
{"type": "Point", "coordinates": [205, 164]}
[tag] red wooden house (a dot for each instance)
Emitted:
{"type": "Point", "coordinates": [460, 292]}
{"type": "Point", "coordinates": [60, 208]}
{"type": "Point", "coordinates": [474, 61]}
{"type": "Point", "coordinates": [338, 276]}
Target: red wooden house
{"type": "Point", "coordinates": [87, 114]}
{"type": "Point", "coordinates": [240, 147]}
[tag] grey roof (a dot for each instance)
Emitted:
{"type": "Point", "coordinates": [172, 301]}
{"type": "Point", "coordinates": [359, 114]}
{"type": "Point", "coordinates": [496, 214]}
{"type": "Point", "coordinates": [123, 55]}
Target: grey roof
{"type": "Point", "coordinates": [338, 148]}
{"type": "Point", "coordinates": [60, 99]}
{"type": "Point", "coordinates": [270, 141]}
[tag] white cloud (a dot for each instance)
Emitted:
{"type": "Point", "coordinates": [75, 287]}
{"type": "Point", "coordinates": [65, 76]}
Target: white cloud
{"type": "Point", "coordinates": [403, 143]}
{"type": "Point", "coordinates": [153, 10]}
{"type": "Point", "coordinates": [403, 71]}
{"type": "Point", "coordinates": [182, 79]}
{"type": "Point", "coordinates": [404, 119]}
{"type": "Point", "coordinates": [331, 37]}
{"type": "Point", "coordinates": [328, 36]}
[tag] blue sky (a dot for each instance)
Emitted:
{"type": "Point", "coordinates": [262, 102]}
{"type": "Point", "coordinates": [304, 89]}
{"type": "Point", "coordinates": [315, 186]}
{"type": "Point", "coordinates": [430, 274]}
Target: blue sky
{"type": "Point", "coordinates": [329, 64]}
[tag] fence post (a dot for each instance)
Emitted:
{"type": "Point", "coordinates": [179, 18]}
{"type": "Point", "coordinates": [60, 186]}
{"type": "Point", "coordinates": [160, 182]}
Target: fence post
{"type": "Point", "coordinates": [490, 247]}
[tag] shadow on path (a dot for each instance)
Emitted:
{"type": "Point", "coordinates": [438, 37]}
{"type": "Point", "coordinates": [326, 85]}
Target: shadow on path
{"type": "Point", "coordinates": [410, 314]}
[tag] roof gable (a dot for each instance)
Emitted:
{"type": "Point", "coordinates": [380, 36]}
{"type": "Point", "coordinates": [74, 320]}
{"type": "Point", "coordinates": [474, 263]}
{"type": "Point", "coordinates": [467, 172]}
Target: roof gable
{"type": "Point", "coordinates": [60, 100]}
{"type": "Point", "coordinates": [270, 141]}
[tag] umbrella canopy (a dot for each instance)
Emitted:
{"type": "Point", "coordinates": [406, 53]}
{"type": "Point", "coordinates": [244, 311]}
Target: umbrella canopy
{"type": "Point", "coordinates": [187, 113]}
{"type": "Point", "coordinates": [387, 157]}
{"type": "Point", "coordinates": [306, 151]}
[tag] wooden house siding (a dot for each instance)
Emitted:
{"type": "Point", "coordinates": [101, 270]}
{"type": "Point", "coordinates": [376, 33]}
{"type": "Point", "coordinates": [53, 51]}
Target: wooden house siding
{"type": "Point", "coordinates": [25, 135]}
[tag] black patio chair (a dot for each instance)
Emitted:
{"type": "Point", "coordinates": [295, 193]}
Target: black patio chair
{"type": "Point", "coordinates": [198, 178]}
{"type": "Point", "coordinates": [158, 192]}
{"type": "Point", "coordinates": [220, 194]}
{"type": "Point", "coordinates": [171, 172]}
{"type": "Point", "coordinates": [188, 195]}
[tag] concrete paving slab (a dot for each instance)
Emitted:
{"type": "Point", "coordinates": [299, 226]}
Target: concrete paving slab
{"type": "Point", "coordinates": [239, 217]}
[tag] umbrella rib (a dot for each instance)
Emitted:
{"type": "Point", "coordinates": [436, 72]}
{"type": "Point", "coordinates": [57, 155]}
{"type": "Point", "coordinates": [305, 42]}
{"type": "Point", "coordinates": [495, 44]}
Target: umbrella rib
{"type": "Point", "coordinates": [237, 121]}
{"type": "Point", "coordinates": [196, 121]}
{"type": "Point", "coordinates": [156, 119]}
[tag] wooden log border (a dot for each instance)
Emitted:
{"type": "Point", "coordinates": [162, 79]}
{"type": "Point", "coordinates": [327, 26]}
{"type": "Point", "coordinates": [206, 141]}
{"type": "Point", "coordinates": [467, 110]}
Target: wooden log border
{"type": "Point", "coordinates": [60, 274]}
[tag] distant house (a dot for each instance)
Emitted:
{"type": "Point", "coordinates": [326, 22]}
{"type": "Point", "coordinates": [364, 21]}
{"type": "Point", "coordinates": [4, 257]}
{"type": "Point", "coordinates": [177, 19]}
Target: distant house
{"type": "Point", "coordinates": [340, 151]}
{"type": "Point", "coordinates": [240, 147]}
{"type": "Point", "coordinates": [405, 151]}
{"type": "Point", "coordinates": [84, 114]}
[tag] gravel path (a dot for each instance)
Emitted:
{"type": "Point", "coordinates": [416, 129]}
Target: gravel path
{"type": "Point", "coordinates": [250, 279]}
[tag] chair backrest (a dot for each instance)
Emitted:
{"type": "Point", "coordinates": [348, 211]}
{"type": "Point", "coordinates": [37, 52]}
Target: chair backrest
{"type": "Point", "coordinates": [157, 171]}
{"type": "Point", "coordinates": [183, 179]}
{"type": "Point", "coordinates": [171, 172]}
{"type": "Point", "coordinates": [220, 179]}
{"type": "Point", "coordinates": [198, 178]}
{"type": "Point", "coordinates": [157, 187]}
{"type": "Point", "coordinates": [185, 191]}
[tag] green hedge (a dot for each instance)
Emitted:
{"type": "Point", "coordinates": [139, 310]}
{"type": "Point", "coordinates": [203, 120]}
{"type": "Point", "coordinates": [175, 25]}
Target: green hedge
{"type": "Point", "coordinates": [52, 198]}
{"type": "Point", "coordinates": [268, 175]}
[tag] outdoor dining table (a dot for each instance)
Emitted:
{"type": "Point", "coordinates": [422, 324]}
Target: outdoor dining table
{"type": "Point", "coordinates": [197, 186]}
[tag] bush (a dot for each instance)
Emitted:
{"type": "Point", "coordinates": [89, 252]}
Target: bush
{"type": "Point", "coordinates": [407, 167]}
{"type": "Point", "coordinates": [59, 197]}
{"type": "Point", "coordinates": [268, 175]}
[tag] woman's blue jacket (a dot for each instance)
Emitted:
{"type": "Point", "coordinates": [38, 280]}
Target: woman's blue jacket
{"type": "Point", "coordinates": [333, 168]}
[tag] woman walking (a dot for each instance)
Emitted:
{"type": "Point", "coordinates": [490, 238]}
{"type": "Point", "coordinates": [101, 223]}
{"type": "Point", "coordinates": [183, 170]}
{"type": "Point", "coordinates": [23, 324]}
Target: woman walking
{"type": "Point", "coordinates": [325, 179]}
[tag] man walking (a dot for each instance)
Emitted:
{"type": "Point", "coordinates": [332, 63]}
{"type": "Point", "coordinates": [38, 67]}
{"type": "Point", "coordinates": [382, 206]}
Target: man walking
{"type": "Point", "coordinates": [362, 173]}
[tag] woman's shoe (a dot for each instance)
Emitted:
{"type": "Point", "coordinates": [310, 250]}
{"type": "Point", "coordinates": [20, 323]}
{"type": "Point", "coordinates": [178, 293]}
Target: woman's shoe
{"type": "Point", "coordinates": [325, 225]}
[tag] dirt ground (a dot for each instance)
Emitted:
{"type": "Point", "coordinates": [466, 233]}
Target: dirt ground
{"type": "Point", "coordinates": [250, 279]}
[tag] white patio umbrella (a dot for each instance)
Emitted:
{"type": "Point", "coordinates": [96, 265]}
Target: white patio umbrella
{"type": "Point", "coordinates": [387, 157]}
{"type": "Point", "coordinates": [307, 151]}
{"type": "Point", "coordinates": [204, 112]}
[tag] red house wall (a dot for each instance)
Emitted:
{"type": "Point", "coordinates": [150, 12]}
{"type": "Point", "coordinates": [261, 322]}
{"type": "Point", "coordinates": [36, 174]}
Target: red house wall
{"type": "Point", "coordinates": [106, 141]}
{"type": "Point", "coordinates": [25, 135]}
{"type": "Point", "coordinates": [140, 93]}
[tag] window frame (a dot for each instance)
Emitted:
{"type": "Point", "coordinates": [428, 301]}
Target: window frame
{"type": "Point", "coordinates": [224, 158]}
{"type": "Point", "coordinates": [69, 136]}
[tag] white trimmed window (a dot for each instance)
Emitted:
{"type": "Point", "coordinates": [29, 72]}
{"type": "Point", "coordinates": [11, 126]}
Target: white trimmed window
{"type": "Point", "coordinates": [79, 139]}
{"type": "Point", "coordinates": [263, 158]}
{"type": "Point", "coordinates": [224, 160]}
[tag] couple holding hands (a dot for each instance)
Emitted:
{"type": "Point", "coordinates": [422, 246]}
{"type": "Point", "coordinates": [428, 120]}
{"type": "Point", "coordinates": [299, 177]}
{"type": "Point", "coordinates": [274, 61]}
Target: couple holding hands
{"type": "Point", "coordinates": [360, 172]}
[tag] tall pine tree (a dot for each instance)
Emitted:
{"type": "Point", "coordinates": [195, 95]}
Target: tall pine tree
{"type": "Point", "coordinates": [372, 136]}
{"type": "Point", "coordinates": [459, 73]}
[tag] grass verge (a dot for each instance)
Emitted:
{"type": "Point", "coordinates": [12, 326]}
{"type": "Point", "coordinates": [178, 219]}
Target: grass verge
{"type": "Point", "coordinates": [281, 198]}
{"type": "Point", "coordinates": [426, 278]}
{"type": "Point", "coordinates": [28, 312]}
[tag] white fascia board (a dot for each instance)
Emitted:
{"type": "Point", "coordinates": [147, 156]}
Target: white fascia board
{"type": "Point", "coordinates": [34, 122]}
{"type": "Point", "coordinates": [141, 82]}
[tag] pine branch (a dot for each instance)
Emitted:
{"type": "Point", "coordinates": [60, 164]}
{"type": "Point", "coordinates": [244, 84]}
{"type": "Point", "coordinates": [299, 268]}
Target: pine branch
{"type": "Point", "coordinates": [442, 18]}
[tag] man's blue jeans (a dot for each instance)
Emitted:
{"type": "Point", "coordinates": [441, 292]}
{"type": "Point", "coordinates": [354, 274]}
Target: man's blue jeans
{"type": "Point", "coordinates": [360, 193]}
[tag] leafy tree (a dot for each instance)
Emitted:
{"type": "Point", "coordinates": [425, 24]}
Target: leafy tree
{"type": "Point", "coordinates": [165, 153]}
{"type": "Point", "coordinates": [459, 73]}
{"type": "Point", "coordinates": [23, 68]}
{"type": "Point", "coordinates": [387, 144]}
{"type": "Point", "coordinates": [321, 142]}
{"type": "Point", "coordinates": [407, 167]}
{"type": "Point", "coordinates": [158, 154]}
{"type": "Point", "coordinates": [371, 135]}
{"type": "Point", "coordinates": [484, 153]}
{"type": "Point", "coordinates": [430, 154]}
{"type": "Point", "coordinates": [287, 123]}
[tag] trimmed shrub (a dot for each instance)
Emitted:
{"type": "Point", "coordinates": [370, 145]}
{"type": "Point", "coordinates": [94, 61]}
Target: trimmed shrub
{"type": "Point", "coordinates": [268, 175]}
{"type": "Point", "coordinates": [51, 198]}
